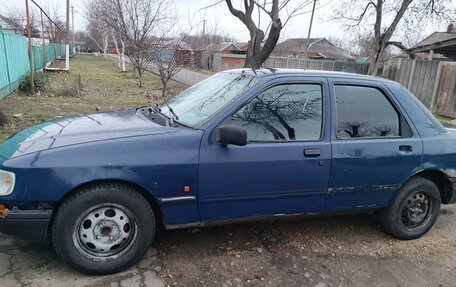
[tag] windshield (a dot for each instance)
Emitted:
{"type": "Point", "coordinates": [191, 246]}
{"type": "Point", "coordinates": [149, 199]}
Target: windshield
{"type": "Point", "coordinates": [199, 102]}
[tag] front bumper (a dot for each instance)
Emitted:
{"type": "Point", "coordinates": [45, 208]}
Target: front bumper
{"type": "Point", "coordinates": [27, 224]}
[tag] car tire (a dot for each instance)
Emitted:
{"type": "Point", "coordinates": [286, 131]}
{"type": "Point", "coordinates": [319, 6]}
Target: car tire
{"type": "Point", "coordinates": [413, 211]}
{"type": "Point", "coordinates": [103, 229]}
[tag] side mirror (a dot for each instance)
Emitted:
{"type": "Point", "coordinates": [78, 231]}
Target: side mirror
{"type": "Point", "coordinates": [231, 134]}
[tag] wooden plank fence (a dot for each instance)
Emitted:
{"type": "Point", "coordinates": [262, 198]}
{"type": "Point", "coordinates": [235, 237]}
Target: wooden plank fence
{"type": "Point", "coordinates": [432, 82]}
{"type": "Point", "coordinates": [310, 64]}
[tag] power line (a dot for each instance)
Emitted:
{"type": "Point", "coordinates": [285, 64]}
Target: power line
{"type": "Point", "coordinates": [47, 16]}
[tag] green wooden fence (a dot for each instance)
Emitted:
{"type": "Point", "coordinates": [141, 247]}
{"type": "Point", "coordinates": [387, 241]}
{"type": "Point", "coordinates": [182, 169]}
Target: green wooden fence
{"type": "Point", "coordinates": [14, 59]}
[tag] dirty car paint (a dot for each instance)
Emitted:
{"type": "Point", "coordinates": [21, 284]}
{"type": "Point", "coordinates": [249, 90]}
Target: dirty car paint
{"type": "Point", "coordinates": [53, 159]}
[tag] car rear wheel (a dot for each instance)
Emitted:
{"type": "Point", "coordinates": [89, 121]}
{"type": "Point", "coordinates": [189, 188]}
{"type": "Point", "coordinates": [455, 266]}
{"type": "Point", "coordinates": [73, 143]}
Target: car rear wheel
{"type": "Point", "coordinates": [103, 229]}
{"type": "Point", "coordinates": [413, 211]}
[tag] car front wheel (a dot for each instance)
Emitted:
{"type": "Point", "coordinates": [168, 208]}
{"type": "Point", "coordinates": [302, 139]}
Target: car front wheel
{"type": "Point", "coordinates": [413, 211]}
{"type": "Point", "coordinates": [103, 229]}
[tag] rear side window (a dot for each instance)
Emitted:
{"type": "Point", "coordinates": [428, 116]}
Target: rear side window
{"type": "Point", "coordinates": [364, 112]}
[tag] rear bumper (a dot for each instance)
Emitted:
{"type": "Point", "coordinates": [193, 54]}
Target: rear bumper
{"type": "Point", "coordinates": [27, 224]}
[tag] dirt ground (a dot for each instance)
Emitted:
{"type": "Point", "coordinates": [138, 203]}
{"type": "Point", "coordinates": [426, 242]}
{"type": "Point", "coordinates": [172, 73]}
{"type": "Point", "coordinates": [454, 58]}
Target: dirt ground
{"type": "Point", "coordinates": [102, 87]}
{"type": "Point", "coordinates": [321, 251]}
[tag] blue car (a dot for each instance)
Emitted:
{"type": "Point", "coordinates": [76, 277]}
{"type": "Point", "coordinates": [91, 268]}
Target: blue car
{"type": "Point", "coordinates": [242, 145]}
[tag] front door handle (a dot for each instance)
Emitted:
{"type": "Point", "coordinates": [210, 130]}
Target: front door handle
{"type": "Point", "coordinates": [405, 148]}
{"type": "Point", "coordinates": [313, 152]}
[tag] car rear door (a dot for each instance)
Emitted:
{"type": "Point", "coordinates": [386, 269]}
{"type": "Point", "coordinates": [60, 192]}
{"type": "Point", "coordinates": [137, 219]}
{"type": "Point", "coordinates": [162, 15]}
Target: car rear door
{"type": "Point", "coordinates": [375, 147]}
{"type": "Point", "coordinates": [284, 168]}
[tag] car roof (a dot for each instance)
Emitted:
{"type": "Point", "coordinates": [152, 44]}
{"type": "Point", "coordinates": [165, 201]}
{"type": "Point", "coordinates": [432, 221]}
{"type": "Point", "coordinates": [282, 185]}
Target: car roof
{"type": "Point", "coordinates": [269, 72]}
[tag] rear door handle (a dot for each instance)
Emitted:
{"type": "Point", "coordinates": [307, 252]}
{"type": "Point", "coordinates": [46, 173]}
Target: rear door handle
{"type": "Point", "coordinates": [405, 148]}
{"type": "Point", "coordinates": [314, 152]}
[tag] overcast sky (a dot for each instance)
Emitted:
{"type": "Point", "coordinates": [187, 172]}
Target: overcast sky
{"type": "Point", "coordinates": [219, 16]}
{"type": "Point", "coordinates": [190, 9]}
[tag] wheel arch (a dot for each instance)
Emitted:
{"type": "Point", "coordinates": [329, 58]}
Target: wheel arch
{"type": "Point", "coordinates": [138, 188]}
{"type": "Point", "coordinates": [440, 179]}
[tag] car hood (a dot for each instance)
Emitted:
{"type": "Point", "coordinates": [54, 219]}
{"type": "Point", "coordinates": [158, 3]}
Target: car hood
{"type": "Point", "coordinates": [80, 129]}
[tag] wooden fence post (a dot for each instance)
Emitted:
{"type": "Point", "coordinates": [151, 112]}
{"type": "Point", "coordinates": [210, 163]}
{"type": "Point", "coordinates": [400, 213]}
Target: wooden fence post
{"type": "Point", "coordinates": [399, 64]}
{"type": "Point", "coordinates": [385, 73]}
{"type": "Point", "coordinates": [412, 71]}
{"type": "Point", "coordinates": [436, 87]}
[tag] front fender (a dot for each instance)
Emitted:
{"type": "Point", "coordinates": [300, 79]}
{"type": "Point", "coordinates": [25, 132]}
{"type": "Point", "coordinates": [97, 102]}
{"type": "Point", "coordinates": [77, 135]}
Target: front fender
{"type": "Point", "coordinates": [162, 166]}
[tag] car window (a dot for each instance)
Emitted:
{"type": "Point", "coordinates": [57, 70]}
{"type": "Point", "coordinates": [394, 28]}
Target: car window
{"type": "Point", "coordinates": [283, 112]}
{"type": "Point", "coordinates": [199, 102]}
{"type": "Point", "coordinates": [364, 112]}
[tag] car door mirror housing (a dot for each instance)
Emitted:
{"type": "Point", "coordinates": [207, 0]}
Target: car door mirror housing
{"type": "Point", "coordinates": [231, 134]}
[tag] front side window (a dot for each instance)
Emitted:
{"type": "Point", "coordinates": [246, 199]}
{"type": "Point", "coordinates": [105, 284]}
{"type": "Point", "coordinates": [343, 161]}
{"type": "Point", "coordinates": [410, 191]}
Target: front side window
{"type": "Point", "coordinates": [285, 112]}
{"type": "Point", "coordinates": [364, 112]}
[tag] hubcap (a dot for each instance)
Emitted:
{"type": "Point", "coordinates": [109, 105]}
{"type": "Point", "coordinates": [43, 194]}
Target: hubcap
{"type": "Point", "coordinates": [104, 231]}
{"type": "Point", "coordinates": [416, 210]}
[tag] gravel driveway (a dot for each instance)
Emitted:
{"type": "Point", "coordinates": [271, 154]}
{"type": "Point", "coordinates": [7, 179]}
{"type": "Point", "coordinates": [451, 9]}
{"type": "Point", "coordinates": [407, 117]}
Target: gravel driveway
{"type": "Point", "coordinates": [322, 251]}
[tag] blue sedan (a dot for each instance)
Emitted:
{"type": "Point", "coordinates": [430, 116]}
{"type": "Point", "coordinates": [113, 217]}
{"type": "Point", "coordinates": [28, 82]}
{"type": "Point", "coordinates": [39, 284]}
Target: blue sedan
{"type": "Point", "coordinates": [241, 145]}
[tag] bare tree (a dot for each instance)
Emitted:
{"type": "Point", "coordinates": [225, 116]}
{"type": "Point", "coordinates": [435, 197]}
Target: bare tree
{"type": "Point", "coordinates": [17, 19]}
{"type": "Point", "coordinates": [169, 57]}
{"type": "Point", "coordinates": [98, 35]}
{"type": "Point", "coordinates": [382, 18]}
{"type": "Point", "coordinates": [134, 21]}
{"type": "Point", "coordinates": [120, 52]}
{"type": "Point", "coordinates": [261, 46]}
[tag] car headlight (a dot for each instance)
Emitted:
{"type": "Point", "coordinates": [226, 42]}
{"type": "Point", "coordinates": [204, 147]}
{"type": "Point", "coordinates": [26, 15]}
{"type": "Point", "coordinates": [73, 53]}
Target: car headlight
{"type": "Point", "coordinates": [7, 180]}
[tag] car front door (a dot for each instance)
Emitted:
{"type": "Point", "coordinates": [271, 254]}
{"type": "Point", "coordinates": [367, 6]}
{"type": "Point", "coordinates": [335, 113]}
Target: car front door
{"type": "Point", "coordinates": [375, 148]}
{"type": "Point", "coordinates": [283, 169]}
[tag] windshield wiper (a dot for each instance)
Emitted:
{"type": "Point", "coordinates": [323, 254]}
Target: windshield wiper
{"type": "Point", "coordinates": [176, 117]}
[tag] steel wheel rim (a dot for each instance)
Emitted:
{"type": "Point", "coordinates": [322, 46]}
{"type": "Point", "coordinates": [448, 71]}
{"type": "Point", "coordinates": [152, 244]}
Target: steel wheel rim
{"type": "Point", "coordinates": [104, 232]}
{"type": "Point", "coordinates": [417, 210]}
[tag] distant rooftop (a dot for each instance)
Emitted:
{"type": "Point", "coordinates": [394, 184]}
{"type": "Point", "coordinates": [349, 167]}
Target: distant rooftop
{"type": "Point", "coordinates": [443, 43]}
{"type": "Point", "coordinates": [436, 37]}
{"type": "Point", "coordinates": [317, 48]}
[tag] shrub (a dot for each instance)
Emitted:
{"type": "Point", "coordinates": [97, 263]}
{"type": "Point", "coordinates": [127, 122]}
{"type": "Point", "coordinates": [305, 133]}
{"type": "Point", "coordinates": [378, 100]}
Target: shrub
{"type": "Point", "coordinates": [41, 81]}
{"type": "Point", "coordinates": [71, 89]}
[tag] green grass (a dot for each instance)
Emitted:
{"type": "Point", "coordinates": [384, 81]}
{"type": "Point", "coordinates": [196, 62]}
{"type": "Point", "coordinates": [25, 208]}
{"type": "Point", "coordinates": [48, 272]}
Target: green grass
{"type": "Point", "coordinates": [104, 87]}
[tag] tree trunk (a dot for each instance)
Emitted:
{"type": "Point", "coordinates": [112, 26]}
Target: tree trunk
{"type": "Point", "coordinates": [117, 51]}
{"type": "Point", "coordinates": [257, 54]}
{"type": "Point", "coordinates": [122, 56]}
{"type": "Point", "coordinates": [381, 39]}
{"type": "Point", "coordinates": [164, 87]}
{"type": "Point", "coordinates": [140, 74]}
{"type": "Point", "coordinates": [105, 46]}
{"type": "Point", "coordinates": [375, 65]}
{"type": "Point", "coordinates": [252, 59]}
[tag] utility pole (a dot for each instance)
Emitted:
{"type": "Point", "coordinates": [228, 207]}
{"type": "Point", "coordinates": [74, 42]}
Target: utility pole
{"type": "Point", "coordinates": [32, 69]}
{"type": "Point", "coordinates": [67, 38]}
{"type": "Point", "coordinates": [72, 25]}
{"type": "Point", "coordinates": [204, 27]}
{"type": "Point", "coordinates": [44, 43]}
{"type": "Point", "coordinates": [310, 26]}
